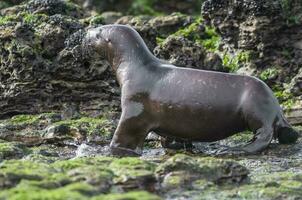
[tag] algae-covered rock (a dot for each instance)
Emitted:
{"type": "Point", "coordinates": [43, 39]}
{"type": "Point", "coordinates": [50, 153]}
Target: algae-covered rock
{"type": "Point", "coordinates": [133, 173]}
{"type": "Point", "coordinates": [279, 185]}
{"type": "Point", "coordinates": [135, 195]}
{"type": "Point", "coordinates": [43, 65]}
{"type": "Point", "coordinates": [9, 150]}
{"type": "Point", "coordinates": [13, 171]}
{"type": "Point", "coordinates": [28, 129]}
{"type": "Point", "coordinates": [51, 128]}
{"type": "Point", "coordinates": [25, 191]}
{"type": "Point", "coordinates": [182, 52]}
{"type": "Point", "coordinates": [211, 169]}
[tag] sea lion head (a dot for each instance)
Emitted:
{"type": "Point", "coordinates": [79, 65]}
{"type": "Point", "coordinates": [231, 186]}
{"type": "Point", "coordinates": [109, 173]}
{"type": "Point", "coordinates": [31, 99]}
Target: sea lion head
{"type": "Point", "coordinates": [116, 41]}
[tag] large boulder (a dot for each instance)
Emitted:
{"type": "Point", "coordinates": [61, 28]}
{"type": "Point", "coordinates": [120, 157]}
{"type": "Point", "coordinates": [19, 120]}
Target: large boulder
{"type": "Point", "coordinates": [44, 67]}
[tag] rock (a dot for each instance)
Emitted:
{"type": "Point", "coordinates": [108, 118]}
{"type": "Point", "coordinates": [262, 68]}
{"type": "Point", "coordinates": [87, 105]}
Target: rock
{"type": "Point", "coordinates": [51, 7]}
{"type": "Point", "coordinates": [110, 17]}
{"type": "Point", "coordinates": [134, 7]}
{"type": "Point", "coordinates": [152, 27]}
{"type": "Point", "coordinates": [296, 84]}
{"type": "Point", "coordinates": [182, 52]}
{"type": "Point", "coordinates": [57, 131]}
{"type": "Point", "coordinates": [50, 66]}
{"type": "Point", "coordinates": [50, 128]}
{"type": "Point", "coordinates": [133, 173]}
{"type": "Point", "coordinates": [136, 195]}
{"type": "Point", "coordinates": [11, 150]}
{"type": "Point", "coordinates": [191, 169]}
{"type": "Point", "coordinates": [93, 175]}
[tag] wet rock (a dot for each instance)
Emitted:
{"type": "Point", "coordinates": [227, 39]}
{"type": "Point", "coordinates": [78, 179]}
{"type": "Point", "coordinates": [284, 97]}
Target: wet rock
{"type": "Point", "coordinates": [28, 129]}
{"type": "Point", "coordinates": [77, 191]}
{"type": "Point", "coordinates": [182, 52]}
{"type": "Point", "coordinates": [13, 171]}
{"type": "Point", "coordinates": [137, 195]}
{"type": "Point", "coordinates": [185, 169]}
{"type": "Point", "coordinates": [50, 128]}
{"type": "Point", "coordinates": [284, 185]}
{"type": "Point", "coordinates": [11, 150]}
{"type": "Point", "coordinates": [96, 176]}
{"type": "Point", "coordinates": [57, 131]}
{"type": "Point", "coordinates": [133, 173]}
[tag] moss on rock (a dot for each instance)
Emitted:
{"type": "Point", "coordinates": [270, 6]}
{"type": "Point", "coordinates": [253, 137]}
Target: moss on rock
{"type": "Point", "coordinates": [25, 191]}
{"type": "Point", "coordinates": [101, 127]}
{"type": "Point", "coordinates": [9, 150]}
{"type": "Point", "coordinates": [203, 35]}
{"type": "Point", "coordinates": [134, 195]}
{"type": "Point", "coordinates": [133, 173]}
{"type": "Point", "coordinates": [211, 169]}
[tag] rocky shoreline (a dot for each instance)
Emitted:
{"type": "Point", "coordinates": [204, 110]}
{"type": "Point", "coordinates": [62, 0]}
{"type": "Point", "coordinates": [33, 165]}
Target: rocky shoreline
{"type": "Point", "coordinates": [59, 106]}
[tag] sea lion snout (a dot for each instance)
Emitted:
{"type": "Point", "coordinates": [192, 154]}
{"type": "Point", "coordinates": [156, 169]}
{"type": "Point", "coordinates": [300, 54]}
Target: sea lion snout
{"type": "Point", "coordinates": [93, 35]}
{"type": "Point", "coordinates": [94, 42]}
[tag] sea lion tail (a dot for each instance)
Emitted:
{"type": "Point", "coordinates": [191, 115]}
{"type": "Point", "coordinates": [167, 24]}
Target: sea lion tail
{"type": "Point", "coordinates": [287, 135]}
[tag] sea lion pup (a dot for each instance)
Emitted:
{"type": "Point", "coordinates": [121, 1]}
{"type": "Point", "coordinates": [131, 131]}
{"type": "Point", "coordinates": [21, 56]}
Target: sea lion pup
{"type": "Point", "coordinates": [181, 102]}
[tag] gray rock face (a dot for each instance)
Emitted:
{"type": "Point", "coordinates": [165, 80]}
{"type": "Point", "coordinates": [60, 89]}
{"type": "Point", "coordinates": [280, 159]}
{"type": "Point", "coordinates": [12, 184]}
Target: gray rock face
{"type": "Point", "coordinates": [152, 27]}
{"type": "Point", "coordinates": [185, 53]}
{"type": "Point", "coordinates": [262, 27]}
{"type": "Point", "coordinates": [43, 65]}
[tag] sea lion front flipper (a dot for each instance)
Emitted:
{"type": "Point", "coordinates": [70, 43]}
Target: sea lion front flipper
{"type": "Point", "coordinates": [129, 136]}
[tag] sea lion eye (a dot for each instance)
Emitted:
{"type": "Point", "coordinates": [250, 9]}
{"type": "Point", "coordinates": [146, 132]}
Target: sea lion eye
{"type": "Point", "coordinates": [98, 36]}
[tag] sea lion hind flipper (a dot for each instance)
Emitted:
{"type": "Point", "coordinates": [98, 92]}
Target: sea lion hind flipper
{"type": "Point", "coordinates": [287, 135]}
{"type": "Point", "coordinates": [262, 139]}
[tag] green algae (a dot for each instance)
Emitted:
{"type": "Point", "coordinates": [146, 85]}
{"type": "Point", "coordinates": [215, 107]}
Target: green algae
{"type": "Point", "coordinates": [25, 17]}
{"type": "Point", "coordinates": [131, 168]}
{"type": "Point", "coordinates": [242, 137]}
{"type": "Point", "coordinates": [25, 191]}
{"type": "Point", "coordinates": [27, 119]}
{"type": "Point", "coordinates": [285, 98]}
{"type": "Point", "coordinates": [12, 150]}
{"type": "Point", "coordinates": [66, 165]}
{"type": "Point", "coordinates": [24, 119]}
{"type": "Point", "coordinates": [232, 62]}
{"type": "Point", "coordinates": [269, 73]}
{"type": "Point", "coordinates": [209, 39]}
{"type": "Point", "coordinates": [211, 169]}
{"type": "Point", "coordinates": [133, 195]}
{"type": "Point", "coordinates": [93, 126]}
{"type": "Point", "coordinates": [7, 19]}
